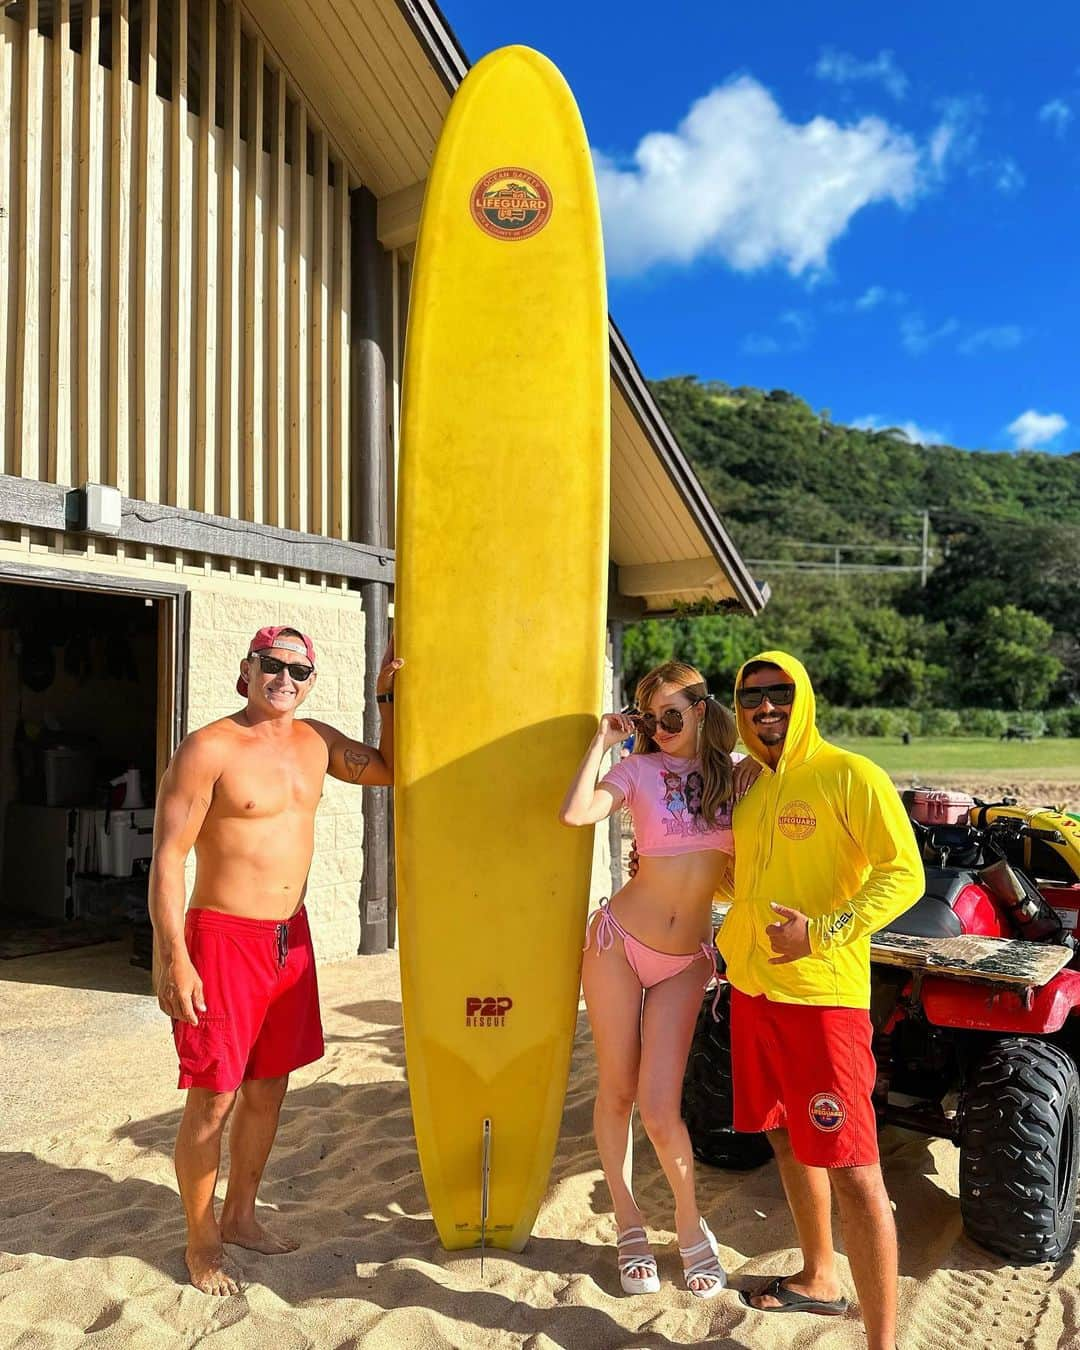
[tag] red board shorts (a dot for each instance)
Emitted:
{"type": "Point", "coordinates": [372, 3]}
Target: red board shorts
{"type": "Point", "coordinates": [262, 1000]}
{"type": "Point", "coordinates": [808, 1070]}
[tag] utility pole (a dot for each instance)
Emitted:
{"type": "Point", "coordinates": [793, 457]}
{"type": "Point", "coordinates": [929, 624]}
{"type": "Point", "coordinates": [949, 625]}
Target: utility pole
{"type": "Point", "coordinates": [925, 544]}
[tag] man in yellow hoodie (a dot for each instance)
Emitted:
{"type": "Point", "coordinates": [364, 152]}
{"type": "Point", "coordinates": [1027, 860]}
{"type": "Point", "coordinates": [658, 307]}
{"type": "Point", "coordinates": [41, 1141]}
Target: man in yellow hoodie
{"type": "Point", "coordinates": [825, 856]}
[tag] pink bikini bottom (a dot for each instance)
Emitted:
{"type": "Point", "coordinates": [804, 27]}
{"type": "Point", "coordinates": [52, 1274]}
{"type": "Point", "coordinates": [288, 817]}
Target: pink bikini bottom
{"type": "Point", "coordinates": [650, 966]}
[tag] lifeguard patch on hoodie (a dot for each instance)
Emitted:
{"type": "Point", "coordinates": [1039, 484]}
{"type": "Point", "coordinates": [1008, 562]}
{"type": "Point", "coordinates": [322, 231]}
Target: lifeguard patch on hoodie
{"type": "Point", "coordinates": [796, 820]}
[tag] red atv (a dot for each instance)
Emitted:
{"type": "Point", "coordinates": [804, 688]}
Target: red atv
{"type": "Point", "coordinates": [975, 1001]}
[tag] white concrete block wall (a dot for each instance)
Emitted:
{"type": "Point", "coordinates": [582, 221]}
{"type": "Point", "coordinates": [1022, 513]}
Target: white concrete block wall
{"type": "Point", "coordinates": [223, 620]}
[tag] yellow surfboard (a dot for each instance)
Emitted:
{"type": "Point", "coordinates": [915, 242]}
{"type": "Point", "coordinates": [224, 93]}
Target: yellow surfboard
{"type": "Point", "coordinates": [499, 612]}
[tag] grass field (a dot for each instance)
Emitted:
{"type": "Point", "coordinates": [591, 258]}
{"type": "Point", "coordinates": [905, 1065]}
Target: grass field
{"type": "Point", "coordinates": [924, 758]}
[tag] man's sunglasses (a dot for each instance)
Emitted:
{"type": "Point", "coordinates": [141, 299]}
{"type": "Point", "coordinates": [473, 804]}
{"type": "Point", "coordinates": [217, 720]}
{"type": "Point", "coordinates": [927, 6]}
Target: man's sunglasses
{"type": "Point", "coordinates": [670, 720]}
{"type": "Point", "coordinates": [270, 665]}
{"type": "Point", "coordinates": [779, 695]}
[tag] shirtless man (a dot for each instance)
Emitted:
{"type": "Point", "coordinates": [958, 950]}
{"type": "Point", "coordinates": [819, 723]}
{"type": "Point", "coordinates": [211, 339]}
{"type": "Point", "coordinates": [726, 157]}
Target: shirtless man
{"type": "Point", "coordinates": [237, 975]}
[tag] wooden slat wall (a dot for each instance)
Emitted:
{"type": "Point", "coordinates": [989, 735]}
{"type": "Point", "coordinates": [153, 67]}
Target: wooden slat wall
{"type": "Point", "coordinates": [174, 265]}
{"type": "Point", "coordinates": [28, 231]}
{"type": "Point", "coordinates": [120, 383]}
{"type": "Point", "coordinates": [9, 206]}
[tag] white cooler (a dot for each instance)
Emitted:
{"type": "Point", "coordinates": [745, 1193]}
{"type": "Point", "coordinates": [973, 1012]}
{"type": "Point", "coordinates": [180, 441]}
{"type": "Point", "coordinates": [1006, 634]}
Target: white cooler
{"type": "Point", "coordinates": [123, 837]}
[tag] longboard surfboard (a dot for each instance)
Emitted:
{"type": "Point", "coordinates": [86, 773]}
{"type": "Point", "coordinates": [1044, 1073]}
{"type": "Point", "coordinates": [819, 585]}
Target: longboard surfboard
{"type": "Point", "coordinates": [499, 613]}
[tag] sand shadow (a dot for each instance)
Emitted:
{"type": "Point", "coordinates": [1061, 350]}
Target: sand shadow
{"type": "Point", "coordinates": [384, 1013]}
{"type": "Point", "coordinates": [105, 967]}
{"type": "Point", "coordinates": [72, 1213]}
{"type": "Point", "coordinates": [344, 1180]}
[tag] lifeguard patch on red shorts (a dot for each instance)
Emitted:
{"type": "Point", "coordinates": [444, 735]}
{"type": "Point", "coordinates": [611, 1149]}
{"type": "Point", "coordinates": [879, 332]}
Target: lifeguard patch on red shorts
{"type": "Point", "coordinates": [827, 1112]}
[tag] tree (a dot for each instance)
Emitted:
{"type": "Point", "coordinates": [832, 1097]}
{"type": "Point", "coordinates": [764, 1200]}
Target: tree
{"type": "Point", "coordinates": [1006, 660]}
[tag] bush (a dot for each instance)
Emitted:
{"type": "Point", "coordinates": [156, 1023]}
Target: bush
{"type": "Point", "coordinates": [943, 722]}
{"type": "Point", "coordinates": [1033, 722]}
{"type": "Point", "coordinates": [985, 722]}
{"type": "Point", "coordinates": [891, 723]}
{"type": "Point", "coordinates": [1063, 722]}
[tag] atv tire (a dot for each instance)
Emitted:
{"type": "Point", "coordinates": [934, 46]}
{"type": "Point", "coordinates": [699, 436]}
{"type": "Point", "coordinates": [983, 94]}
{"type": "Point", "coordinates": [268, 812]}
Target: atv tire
{"type": "Point", "coordinates": [707, 1094]}
{"type": "Point", "coordinates": [1019, 1149]}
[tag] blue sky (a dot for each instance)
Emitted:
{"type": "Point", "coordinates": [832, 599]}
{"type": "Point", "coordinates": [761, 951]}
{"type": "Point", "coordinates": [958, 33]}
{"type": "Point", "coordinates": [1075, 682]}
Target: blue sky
{"type": "Point", "coordinates": [874, 207]}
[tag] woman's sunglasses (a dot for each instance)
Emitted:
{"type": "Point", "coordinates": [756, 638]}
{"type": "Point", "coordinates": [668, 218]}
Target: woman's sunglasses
{"type": "Point", "coordinates": [670, 720]}
{"type": "Point", "coordinates": [270, 665]}
{"type": "Point", "coordinates": [779, 695]}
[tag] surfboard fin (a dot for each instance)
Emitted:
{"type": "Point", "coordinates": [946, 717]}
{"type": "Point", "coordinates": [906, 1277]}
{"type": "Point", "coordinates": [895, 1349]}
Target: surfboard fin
{"type": "Point", "coordinates": [485, 1188]}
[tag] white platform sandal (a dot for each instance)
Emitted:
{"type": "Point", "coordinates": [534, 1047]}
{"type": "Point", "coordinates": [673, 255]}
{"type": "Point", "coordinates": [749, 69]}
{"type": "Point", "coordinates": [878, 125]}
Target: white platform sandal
{"type": "Point", "coordinates": [704, 1265]}
{"type": "Point", "coordinates": [637, 1284]}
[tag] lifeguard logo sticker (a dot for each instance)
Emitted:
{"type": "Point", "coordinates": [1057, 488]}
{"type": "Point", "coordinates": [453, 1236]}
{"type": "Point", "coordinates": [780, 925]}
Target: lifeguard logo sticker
{"type": "Point", "coordinates": [487, 1012]}
{"type": "Point", "coordinates": [511, 203]}
{"type": "Point", "coordinates": [796, 820]}
{"type": "Point", "coordinates": [827, 1112]}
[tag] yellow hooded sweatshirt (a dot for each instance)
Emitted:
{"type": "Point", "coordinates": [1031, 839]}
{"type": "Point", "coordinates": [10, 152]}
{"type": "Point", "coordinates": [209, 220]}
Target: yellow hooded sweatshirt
{"type": "Point", "coordinates": [824, 833]}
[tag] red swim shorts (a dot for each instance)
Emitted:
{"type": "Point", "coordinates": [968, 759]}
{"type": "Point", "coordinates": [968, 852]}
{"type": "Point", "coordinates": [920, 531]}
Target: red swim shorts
{"type": "Point", "coordinates": [262, 1000]}
{"type": "Point", "coordinates": [810, 1071]}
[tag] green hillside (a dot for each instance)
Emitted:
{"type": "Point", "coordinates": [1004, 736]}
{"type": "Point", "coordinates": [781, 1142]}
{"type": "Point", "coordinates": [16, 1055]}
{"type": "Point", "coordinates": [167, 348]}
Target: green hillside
{"type": "Point", "coordinates": [994, 627]}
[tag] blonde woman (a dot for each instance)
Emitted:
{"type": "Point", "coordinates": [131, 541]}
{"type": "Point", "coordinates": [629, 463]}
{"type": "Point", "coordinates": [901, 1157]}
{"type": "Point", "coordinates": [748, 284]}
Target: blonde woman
{"type": "Point", "coordinates": [649, 952]}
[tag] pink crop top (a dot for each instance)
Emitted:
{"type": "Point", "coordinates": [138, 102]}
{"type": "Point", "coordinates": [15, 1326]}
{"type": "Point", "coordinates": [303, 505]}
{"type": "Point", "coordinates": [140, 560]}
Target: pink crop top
{"type": "Point", "coordinates": [663, 794]}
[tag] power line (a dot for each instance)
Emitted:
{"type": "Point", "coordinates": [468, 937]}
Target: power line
{"type": "Point", "coordinates": [851, 548]}
{"type": "Point", "coordinates": [833, 568]}
{"type": "Point", "coordinates": [837, 548]}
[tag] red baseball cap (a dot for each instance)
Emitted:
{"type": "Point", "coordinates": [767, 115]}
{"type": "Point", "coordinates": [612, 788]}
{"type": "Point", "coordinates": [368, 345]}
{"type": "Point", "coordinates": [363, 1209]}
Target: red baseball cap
{"type": "Point", "coordinates": [265, 638]}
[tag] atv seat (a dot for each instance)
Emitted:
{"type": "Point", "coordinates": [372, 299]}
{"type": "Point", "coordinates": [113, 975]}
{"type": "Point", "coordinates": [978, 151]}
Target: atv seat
{"type": "Point", "coordinates": [932, 915]}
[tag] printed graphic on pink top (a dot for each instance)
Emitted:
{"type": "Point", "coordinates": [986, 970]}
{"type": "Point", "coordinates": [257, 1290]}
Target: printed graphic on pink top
{"type": "Point", "coordinates": [664, 797]}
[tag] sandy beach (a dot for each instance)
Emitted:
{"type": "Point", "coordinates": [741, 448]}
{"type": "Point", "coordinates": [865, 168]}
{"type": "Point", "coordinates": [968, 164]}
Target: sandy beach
{"type": "Point", "coordinates": [91, 1232]}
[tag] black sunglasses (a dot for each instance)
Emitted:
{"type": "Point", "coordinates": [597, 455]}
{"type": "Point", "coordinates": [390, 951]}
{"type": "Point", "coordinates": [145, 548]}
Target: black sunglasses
{"type": "Point", "coordinates": [779, 695]}
{"type": "Point", "coordinates": [670, 720]}
{"type": "Point", "coordinates": [270, 665]}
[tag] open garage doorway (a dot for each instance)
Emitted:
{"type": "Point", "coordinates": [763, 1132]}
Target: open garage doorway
{"type": "Point", "coordinates": [91, 708]}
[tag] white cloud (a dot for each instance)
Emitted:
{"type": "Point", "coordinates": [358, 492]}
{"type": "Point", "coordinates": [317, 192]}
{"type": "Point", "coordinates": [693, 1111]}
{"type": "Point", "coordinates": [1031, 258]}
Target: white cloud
{"type": "Point", "coordinates": [799, 324]}
{"type": "Point", "coordinates": [1007, 174]}
{"type": "Point", "coordinates": [956, 137]}
{"type": "Point", "coordinates": [871, 298]}
{"type": "Point", "coordinates": [1057, 115]}
{"type": "Point", "coordinates": [918, 338]}
{"type": "Point", "coordinates": [954, 146]}
{"type": "Point", "coordinates": [915, 433]}
{"type": "Point", "coordinates": [737, 180]}
{"type": "Point", "coordinates": [874, 296]}
{"type": "Point", "coordinates": [1033, 428]}
{"type": "Point", "coordinates": [999, 338]}
{"type": "Point", "coordinates": [843, 68]}
{"type": "Point", "coordinates": [759, 344]}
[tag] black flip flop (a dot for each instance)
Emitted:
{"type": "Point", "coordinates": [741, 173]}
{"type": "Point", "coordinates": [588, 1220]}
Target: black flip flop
{"type": "Point", "coordinates": [790, 1301]}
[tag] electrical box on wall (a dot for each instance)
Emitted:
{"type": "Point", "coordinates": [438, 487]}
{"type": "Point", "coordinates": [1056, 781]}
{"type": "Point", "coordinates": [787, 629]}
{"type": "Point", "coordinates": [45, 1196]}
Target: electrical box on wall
{"type": "Point", "coordinates": [94, 509]}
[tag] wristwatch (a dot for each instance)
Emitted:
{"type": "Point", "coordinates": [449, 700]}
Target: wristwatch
{"type": "Point", "coordinates": [388, 697]}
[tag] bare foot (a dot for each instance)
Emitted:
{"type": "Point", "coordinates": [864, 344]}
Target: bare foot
{"type": "Point", "coordinates": [211, 1271]}
{"type": "Point", "coordinates": [251, 1234]}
